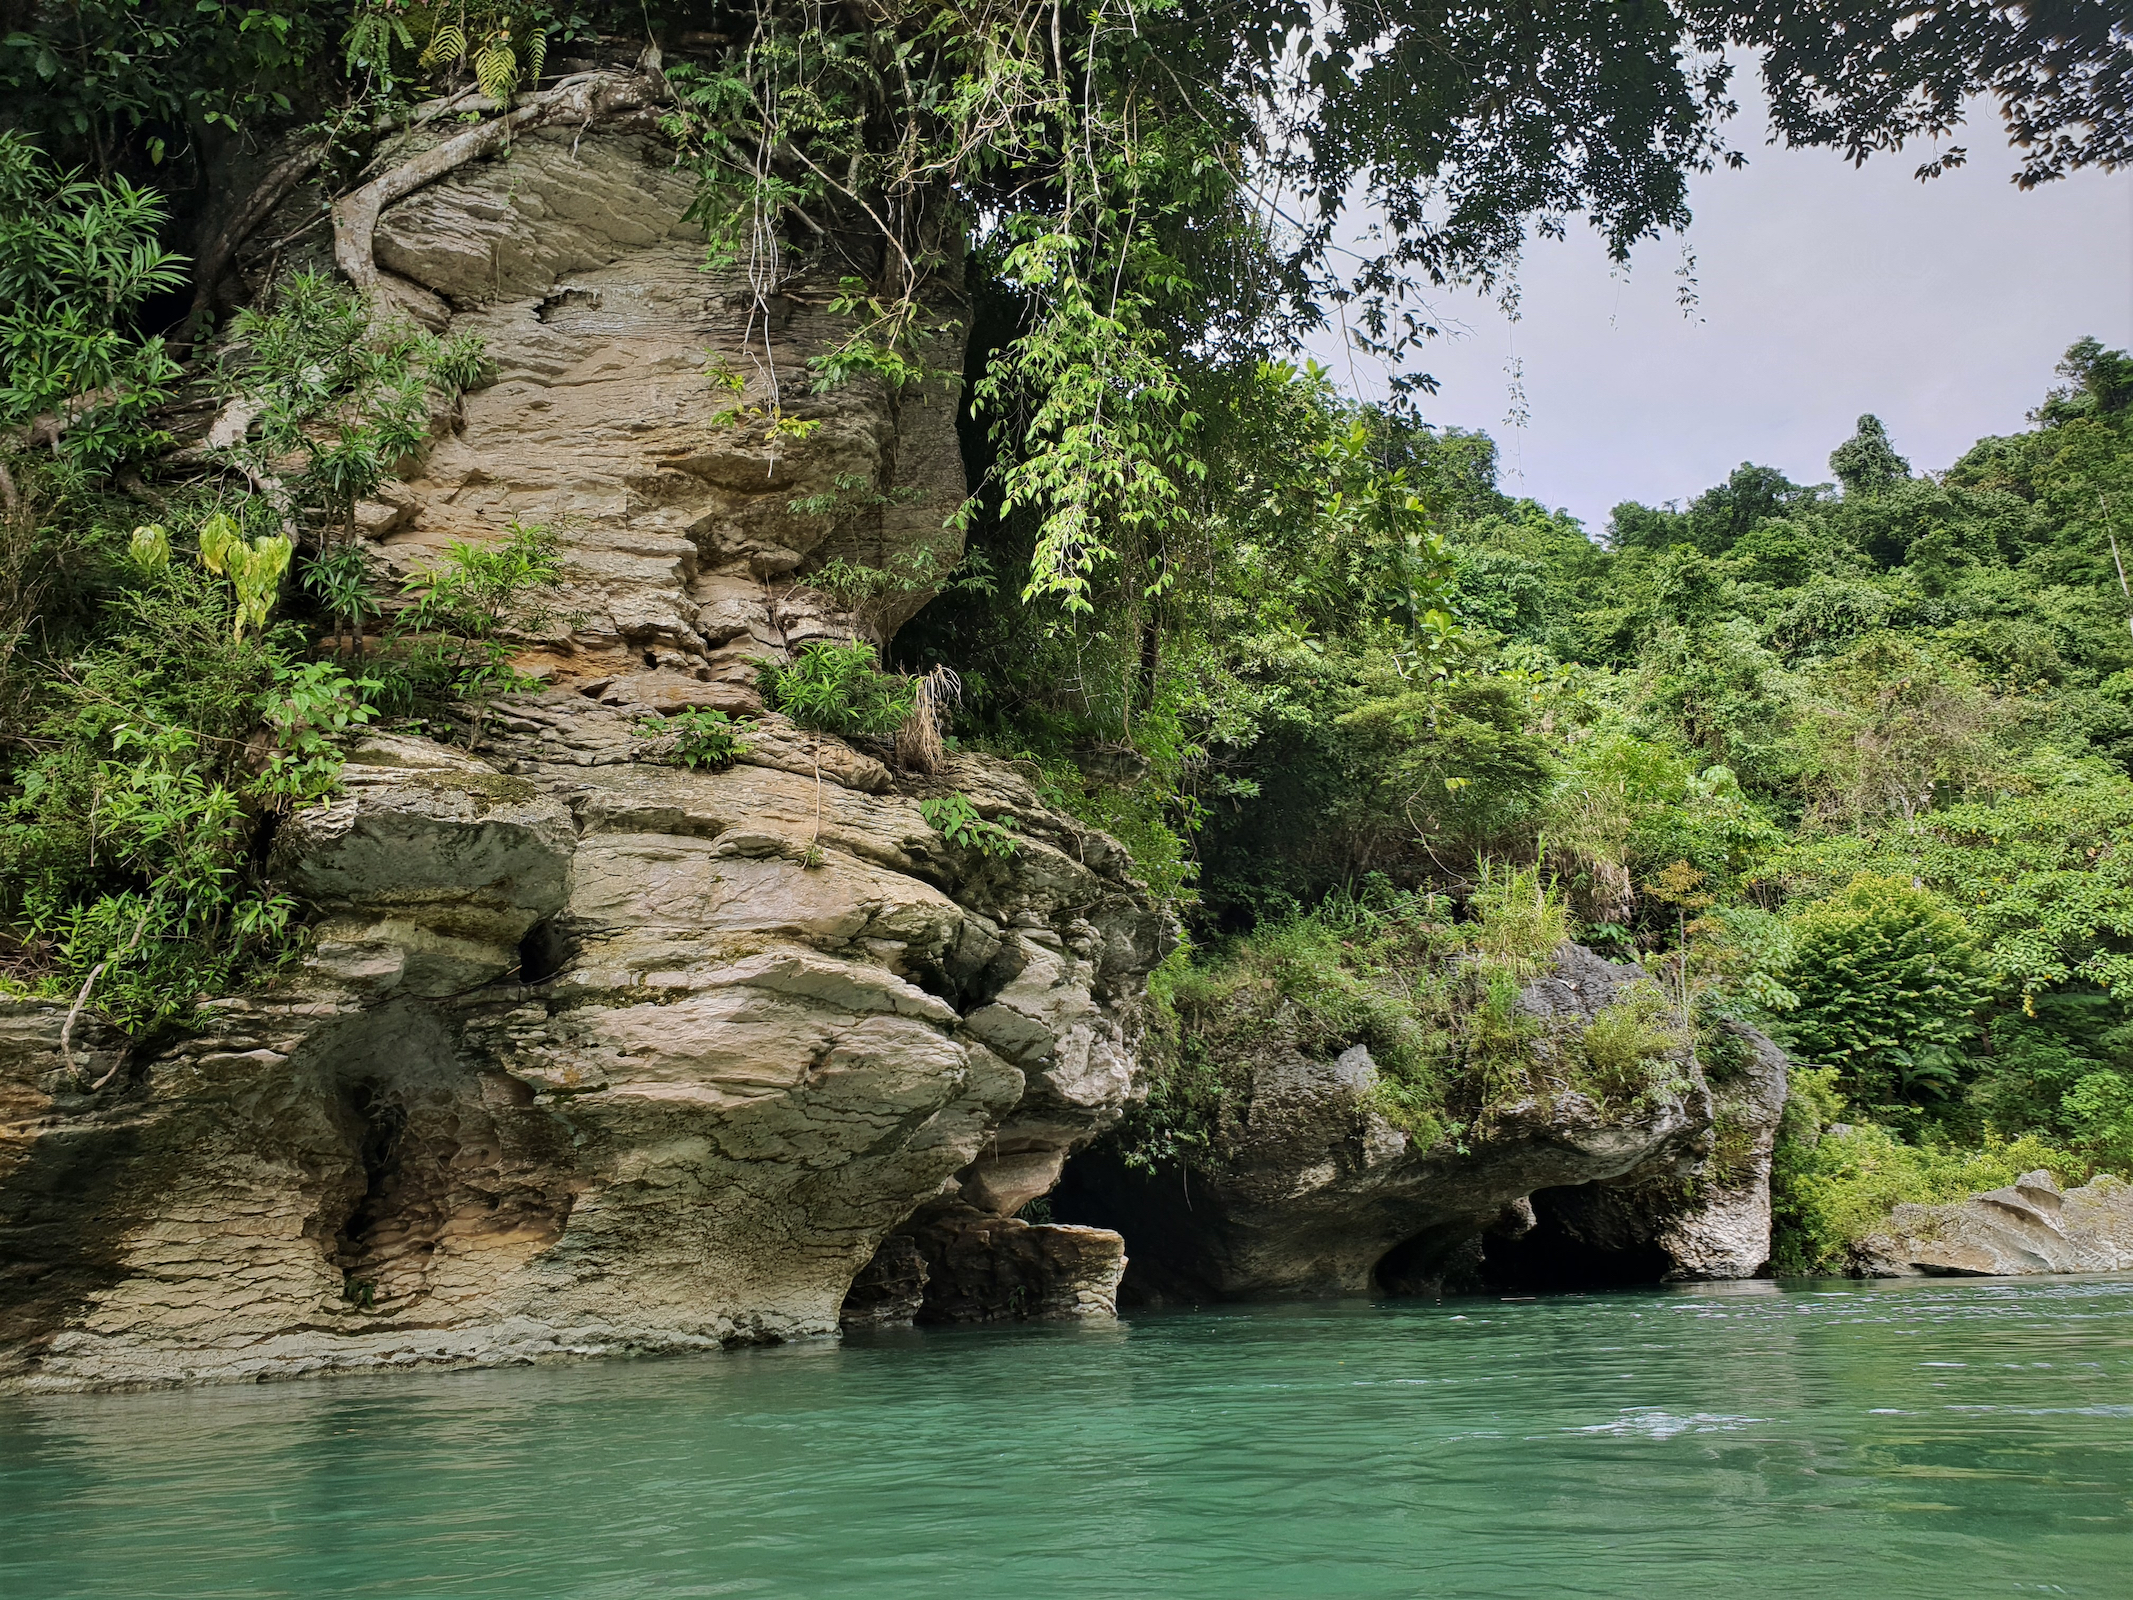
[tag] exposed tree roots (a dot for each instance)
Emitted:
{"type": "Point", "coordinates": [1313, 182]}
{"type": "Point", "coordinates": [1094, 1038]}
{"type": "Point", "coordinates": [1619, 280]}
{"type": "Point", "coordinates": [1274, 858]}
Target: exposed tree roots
{"type": "Point", "coordinates": [587, 98]}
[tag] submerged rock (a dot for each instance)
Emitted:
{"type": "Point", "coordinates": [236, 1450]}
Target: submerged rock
{"type": "Point", "coordinates": [2028, 1227]}
{"type": "Point", "coordinates": [1321, 1195]}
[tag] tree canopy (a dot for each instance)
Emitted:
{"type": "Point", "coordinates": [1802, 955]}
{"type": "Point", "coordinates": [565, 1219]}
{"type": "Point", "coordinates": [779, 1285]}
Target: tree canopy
{"type": "Point", "coordinates": [1153, 186]}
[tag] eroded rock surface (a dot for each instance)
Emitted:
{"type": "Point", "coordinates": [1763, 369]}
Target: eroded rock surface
{"type": "Point", "coordinates": [1323, 1196]}
{"type": "Point", "coordinates": [630, 411]}
{"type": "Point", "coordinates": [591, 1055]}
{"type": "Point", "coordinates": [2030, 1226]}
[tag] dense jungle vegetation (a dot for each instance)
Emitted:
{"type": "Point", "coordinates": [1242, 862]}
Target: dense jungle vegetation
{"type": "Point", "coordinates": [1847, 760]}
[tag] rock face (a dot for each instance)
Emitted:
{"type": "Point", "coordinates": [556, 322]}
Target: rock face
{"type": "Point", "coordinates": [1323, 1196]}
{"type": "Point", "coordinates": [631, 412]}
{"type": "Point", "coordinates": [2028, 1227]}
{"type": "Point", "coordinates": [590, 1055]}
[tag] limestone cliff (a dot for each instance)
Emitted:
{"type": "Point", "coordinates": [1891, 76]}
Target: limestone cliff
{"type": "Point", "coordinates": [587, 1053]}
{"type": "Point", "coordinates": [590, 1055]}
{"type": "Point", "coordinates": [689, 528]}
{"type": "Point", "coordinates": [1320, 1194]}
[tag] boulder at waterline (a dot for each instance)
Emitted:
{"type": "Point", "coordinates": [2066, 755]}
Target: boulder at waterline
{"type": "Point", "coordinates": [2030, 1226]}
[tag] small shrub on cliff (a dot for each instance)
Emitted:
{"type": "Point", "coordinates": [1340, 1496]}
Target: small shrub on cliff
{"type": "Point", "coordinates": [699, 737]}
{"type": "Point", "coordinates": [1354, 971]}
{"type": "Point", "coordinates": [471, 614]}
{"type": "Point", "coordinates": [1519, 921]}
{"type": "Point", "coordinates": [1181, 1119]}
{"type": "Point", "coordinates": [1628, 1054]}
{"type": "Point", "coordinates": [955, 819]}
{"type": "Point", "coordinates": [338, 391]}
{"type": "Point", "coordinates": [1732, 1157]}
{"type": "Point", "coordinates": [837, 688]}
{"type": "Point", "coordinates": [1498, 1038]}
{"type": "Point", "coordinates": [1140, 813]}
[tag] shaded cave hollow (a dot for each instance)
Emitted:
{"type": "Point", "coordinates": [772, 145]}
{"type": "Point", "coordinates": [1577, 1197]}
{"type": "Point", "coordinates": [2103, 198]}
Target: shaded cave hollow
{"type": "Point", "coordinates": [1559, 1241]}
{"type": "Point", "coordinates": [438, 1154]}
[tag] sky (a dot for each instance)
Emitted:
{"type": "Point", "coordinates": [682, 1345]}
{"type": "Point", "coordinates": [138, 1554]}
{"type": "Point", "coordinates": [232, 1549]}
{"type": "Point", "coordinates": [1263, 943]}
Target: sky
{"type": "Point", "coordinates": [1825, 291]}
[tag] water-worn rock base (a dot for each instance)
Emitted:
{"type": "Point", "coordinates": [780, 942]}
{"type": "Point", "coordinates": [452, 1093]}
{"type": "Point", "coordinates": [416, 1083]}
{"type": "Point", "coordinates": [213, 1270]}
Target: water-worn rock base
{"type": "Point", "coordinates": [2028, 1227]}
{"type": "Point", "coordinates": [955, 1263]}
{"type": "Point", "coordinates": [590, 1055]}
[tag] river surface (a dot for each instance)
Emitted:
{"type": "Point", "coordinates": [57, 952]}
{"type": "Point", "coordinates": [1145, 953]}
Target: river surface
{"type": "Point", "coordinates": [1939, 1438]}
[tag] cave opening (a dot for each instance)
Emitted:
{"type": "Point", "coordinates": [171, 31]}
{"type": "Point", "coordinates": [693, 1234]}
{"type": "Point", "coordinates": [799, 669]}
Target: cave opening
{"type": "Point", "coordinates": [542, 953]}
{"type": "Point", "coordinates": [382, 1120]}
{"type": "Point", "coordinates": [1436, 1262]}
{"type": "Point", "coordinates": [1577, 1237]}
{"type": "Point", "coordinates": [1580, 1237]}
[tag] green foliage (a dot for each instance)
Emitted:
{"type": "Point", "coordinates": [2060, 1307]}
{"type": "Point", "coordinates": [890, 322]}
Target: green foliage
{"type": "Point", "coordinates": [1435, 1000]}
{"type": "Point", "coordinates": [700, 737]}
{"type": "Point", "coordinates": [311, 709]}
{"type": "Point", "coordinates": [1866, 463]}
{"type": "Point", "coordinates": [1362, 971]}
{"type": "Point", "coordinates": [1303, 656]}
{"type": "Point", "coordinates": [1631, 1051]}
{"type": "Point", "coordinates": [2098, 1114]}
{"type": "Point", "coordinates": [837, 688]}
{"type": "Point", "coordinates": [1732, 1160]}
{"type": "Point", "coordinates": [124, 80]}
{"type": "Point", "coordinates": [1830, 1194]}
{"type": "Point", "coordinates": [1139, 812]}
{"type": "Point", "coordinates": [126, 839]}
{"type": "Point", "coordinates": [955, 819]}
{"type": "Point", "coordinates": [1889, 989]}
{"type": "Point", "coordinates": [77, 259]}
{"type": "Point", "coordinates": [342, 582]}
{"type": "Point", "coordinates": [473, 611]}
{"type": "Point", "coordinates": [254, 567]}
{"type": "Point", "coordinates": [876, 595]}
{"type": "Point", "coordinates": [1114, 175]}
{"type": "Point", "coordinates": [349, 398]}
{"type": "Point", "coordinates": [1519, 921]}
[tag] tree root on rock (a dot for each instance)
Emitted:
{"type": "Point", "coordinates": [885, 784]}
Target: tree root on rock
{"type": "Point", "coordinates": [584, 99]}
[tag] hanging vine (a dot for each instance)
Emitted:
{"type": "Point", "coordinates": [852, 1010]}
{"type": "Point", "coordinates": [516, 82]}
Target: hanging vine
{"type": "Point", "coordinates": [871, 150]}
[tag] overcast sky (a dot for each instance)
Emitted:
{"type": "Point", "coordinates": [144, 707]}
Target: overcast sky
{"type": "Point", "coordinates": [1826, 291]}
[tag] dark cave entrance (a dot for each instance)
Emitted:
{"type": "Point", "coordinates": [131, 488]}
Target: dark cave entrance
{"type": "Point", "coordinates": [1581, 1236]}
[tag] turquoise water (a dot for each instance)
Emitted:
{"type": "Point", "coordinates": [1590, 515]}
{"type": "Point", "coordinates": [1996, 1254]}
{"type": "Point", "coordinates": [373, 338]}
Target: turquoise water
{"type": "Point", "coordinates": [1929, 1439]}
